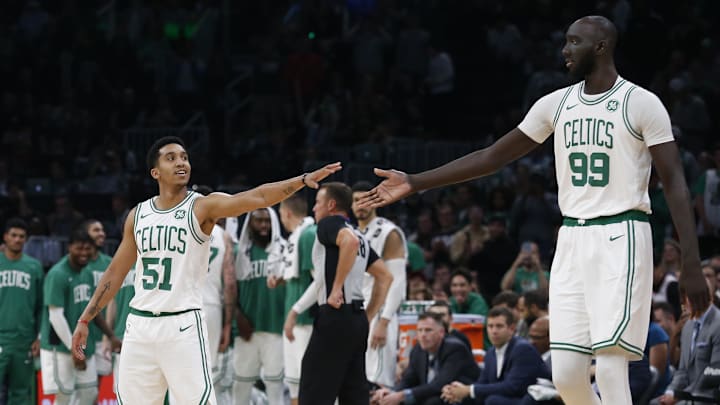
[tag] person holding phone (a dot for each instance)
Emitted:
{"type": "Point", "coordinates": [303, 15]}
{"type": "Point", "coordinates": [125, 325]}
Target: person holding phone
{"type": "Point", "coordinates": [527, 272]}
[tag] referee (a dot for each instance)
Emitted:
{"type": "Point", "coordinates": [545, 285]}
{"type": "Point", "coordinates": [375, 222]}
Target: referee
{"type": "Point", "coordinates": [334, 362]}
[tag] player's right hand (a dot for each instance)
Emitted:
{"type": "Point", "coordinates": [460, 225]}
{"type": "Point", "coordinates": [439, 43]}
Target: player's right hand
{"type": "Point", "coordinates": [335, 299]}
{"type": "Point", "coordinates": [695, 289]}
{"type": "Point", "coordinates": [79, 341]}
{"type": "Point", "coordinates": [289, 325]}
{"type": "Point", "coordinates": [79, 364]}
{"type": "Point", "coordinates": [245, 328]}
{"type": "Point", "coordinates": [395, 187]}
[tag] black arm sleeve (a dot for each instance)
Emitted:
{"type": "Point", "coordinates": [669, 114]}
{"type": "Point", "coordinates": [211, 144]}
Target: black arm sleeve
{"type": "Point", "coordinates": [372, 257]}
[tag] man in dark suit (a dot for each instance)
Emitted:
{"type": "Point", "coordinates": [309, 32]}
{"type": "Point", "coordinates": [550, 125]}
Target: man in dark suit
{"type": "Point", "coordinates": [700, 348]}
{"type": "Point", "coordinates": [511, 365]}
{"type": "Point", "coordinates": [435, 361]}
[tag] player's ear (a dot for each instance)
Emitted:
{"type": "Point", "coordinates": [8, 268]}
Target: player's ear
{"type": "Point", "coordinates": [601, 47]}
{"type": "Point", "coordinates": [155, 173]}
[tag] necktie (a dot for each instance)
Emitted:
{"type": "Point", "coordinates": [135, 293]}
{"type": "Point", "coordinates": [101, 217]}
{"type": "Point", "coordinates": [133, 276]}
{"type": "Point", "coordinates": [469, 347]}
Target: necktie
{"type": "Point", "coordinates": [695, 334]}
{"type": "Point", "coordinates": [432, 362]}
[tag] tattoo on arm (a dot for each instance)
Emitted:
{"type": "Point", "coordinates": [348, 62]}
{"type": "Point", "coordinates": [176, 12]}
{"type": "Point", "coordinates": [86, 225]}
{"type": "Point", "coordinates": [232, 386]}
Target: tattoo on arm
{"type": "Point", "coordinates": [95, 308]}
{"type": "Point", "coordinates": [289, 190]}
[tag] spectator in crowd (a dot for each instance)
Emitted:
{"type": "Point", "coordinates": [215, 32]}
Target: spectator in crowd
{"type": "Point", "coordinates": [463, 300]}
{"type": "Point", "coordinates": [443, 308]}
{"type": "Point", "coordinates": [527, 272]}
{"type": "Point", "coordinates": [496, 257]}
{"type": "Point", "coordinates": [436, 360]}
{"type": "Point", "coordinates": [657, 351]}
{"type": "Point", "coordinates": [707, 205]}
{"type": "Point", "coordinates": [665, 286]}
{"type": "Point", "coordinates": [469, 241]}
{"type": "Point", "coordinates": [511, 365]}
{"type": "Point", "coordinates": [700, 336]}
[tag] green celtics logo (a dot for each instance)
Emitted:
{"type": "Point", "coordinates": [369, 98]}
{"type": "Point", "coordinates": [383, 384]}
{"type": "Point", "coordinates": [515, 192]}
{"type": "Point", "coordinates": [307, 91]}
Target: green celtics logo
{"type": "Point", "coordinates": [179, 214]}
{"type": "Point", "coordinates": [612, 105]}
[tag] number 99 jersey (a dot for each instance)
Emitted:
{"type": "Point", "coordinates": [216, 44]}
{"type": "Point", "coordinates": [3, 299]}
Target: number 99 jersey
{"type": "Point", "coordinates": [173, 256]}
{"type": "Point", "coordinates": [601, 146]}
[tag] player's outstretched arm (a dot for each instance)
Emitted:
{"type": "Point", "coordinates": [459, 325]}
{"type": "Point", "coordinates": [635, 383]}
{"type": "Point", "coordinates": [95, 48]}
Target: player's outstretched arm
{"type": "Point", "coordinates": [482, 162]}
{"type": "Point", "coordinates": [108, 286]}
{"type": "Point", "coordinates": [692, 283]}
{"type": "Point", "coordinates": [220, 205]}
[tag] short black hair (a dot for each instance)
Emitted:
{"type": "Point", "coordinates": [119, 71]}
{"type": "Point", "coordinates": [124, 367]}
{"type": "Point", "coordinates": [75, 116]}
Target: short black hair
{"type": "Point", "coordinates": [665, 307]}
{"type": "Point", "coordinates": [463, 273]}
{"type": "Point", "coordinates": [85, 225]}
{"type": "Point", "coordinates": [502, 311]}
{"type": "Point", "coordinates": [16, 223]}
{"type": "Point", "coordinates": [538, 297]}
{"type": "Point", "coordinates": [509, 298]}
{"type": "Point", "coordinates": [362, 185]}
{"type": "Point", "coordinates": [436, 317]}
{"type": "Point", "coordinates": [80, 236]}
{"type": "Point", "coordinates": [154, 151]}
{"type": "Point", "coordinates": [341, 193]}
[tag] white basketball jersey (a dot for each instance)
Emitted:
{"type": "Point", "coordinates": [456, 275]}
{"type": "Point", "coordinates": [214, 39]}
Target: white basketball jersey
{"type": "Point", "coordinates": [173, 256]}
{"type": "Point", "coordinates": [376, 234]}
{"type": "Point", "coordinates": [212, 291]}
{"type": "Point", "coordinates": [601, 146]}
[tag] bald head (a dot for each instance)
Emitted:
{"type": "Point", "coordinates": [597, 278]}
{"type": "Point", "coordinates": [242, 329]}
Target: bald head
{"type": "Point", "coordinates": [599, 28]}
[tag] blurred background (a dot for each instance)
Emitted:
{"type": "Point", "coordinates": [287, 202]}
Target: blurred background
{"type": "Point", "coordinates": [264, 90]}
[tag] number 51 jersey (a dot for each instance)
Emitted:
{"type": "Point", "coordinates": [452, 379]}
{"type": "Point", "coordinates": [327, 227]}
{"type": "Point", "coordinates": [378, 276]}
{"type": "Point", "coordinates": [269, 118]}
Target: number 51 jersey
{"type": "Point", "coordinates": [602, 160]}
{"type": "Point", "coordinates": [173, 255]}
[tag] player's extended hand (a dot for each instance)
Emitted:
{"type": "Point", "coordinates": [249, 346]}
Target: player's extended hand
{"type": "Point", "coordinates": [379, 334]}
{"type": "Point", "coordinates": [79, 341]}
{"type": "Point", "coordinates": [312, 179]}
{"type": "Point", "coordinates": [335, 299]}
{"type": "Point", "coordinates": [289, 325]}
{"type": "Point", "coordinates": [455, 392]}
{"type": "Point", "coordinates": [694, 287]}
{"type": "Point", "coordinates": [395, 187]}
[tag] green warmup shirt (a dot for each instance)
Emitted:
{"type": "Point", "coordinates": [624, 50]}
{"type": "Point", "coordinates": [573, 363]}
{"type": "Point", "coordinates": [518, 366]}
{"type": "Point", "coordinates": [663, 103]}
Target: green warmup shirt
{"type": "Point", "coordinates": [97, 268]}
{"type": "Point", "coordinates": [416, 257]}
{"type": "Point", "coordinates": [264, 307]}
{"type": "Point", "coordinates": [21, 300]}
{"type": "Point", "coordinates": [71, 290]}
{"type": "Point", "coordinates": [122, 303]}
{"type": "Point", "coordinates": [527, 280]}
{"type": "Point", "coordinates": [295, 287]}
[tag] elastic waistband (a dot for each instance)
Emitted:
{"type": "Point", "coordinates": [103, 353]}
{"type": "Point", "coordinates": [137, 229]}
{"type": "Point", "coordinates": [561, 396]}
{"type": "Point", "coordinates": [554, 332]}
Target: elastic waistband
{"type": "Point", "coordinates": [148, 314]}
{"type": "Point", "coordinates": [632, 215]}
{"type": "Point", "coordinates": [354, 305]}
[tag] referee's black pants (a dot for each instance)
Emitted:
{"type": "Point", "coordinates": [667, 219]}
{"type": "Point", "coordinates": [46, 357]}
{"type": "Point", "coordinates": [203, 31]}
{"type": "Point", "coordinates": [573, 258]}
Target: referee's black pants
{"type": "Point", "coordinates": [334, 361]}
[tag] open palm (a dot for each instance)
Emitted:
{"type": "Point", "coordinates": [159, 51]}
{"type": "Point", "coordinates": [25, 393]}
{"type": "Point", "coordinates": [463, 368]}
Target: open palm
{"type": "Point", "coordinates": [395, 187]}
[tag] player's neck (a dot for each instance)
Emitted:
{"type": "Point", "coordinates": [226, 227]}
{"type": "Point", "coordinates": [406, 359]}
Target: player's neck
{"type": "Point", "coordinates": [10, 255]}
{"type": "Point", "coordinates": [363, 224]}
{"type": "Point", "coordinates": [169, 197]}
{"type": "Point", "coordinates": [600, 80]}
{"type": "Point", "coordinates": [295, 223]}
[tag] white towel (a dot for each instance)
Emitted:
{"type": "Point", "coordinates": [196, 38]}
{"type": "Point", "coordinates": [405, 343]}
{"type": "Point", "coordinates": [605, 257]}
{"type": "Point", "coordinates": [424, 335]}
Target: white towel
{"type": "Point", "coordinates": [544, 390]}
{"type": "Point", "coordinates": [274, 248]}
{"type": "Point", "coordinates": [292, 251]}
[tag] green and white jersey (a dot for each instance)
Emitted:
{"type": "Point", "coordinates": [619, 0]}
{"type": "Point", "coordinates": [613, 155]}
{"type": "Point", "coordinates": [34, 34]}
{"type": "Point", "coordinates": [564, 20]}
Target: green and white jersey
{"type": "Point", "coordinates": [295, 287]}
{"type": "Point", "coordinates": [376, 233]}
{"type": "Point", "coordinates": [21, 300]}
{"type": "Point", "coordinates": [212, 290]}
{"type": "Point", "coordinates": [173, 256]}
{"type": "Point", "coordinates": [71, 290]}
{"type": "Point", "coordinates": [264, 307]}
{"type": "Point", "coordinates": [97, 267]}
{"type": "Point", "coordinates": [122, 303]}
{"type": "Point", "coordinates": [601, 146]}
